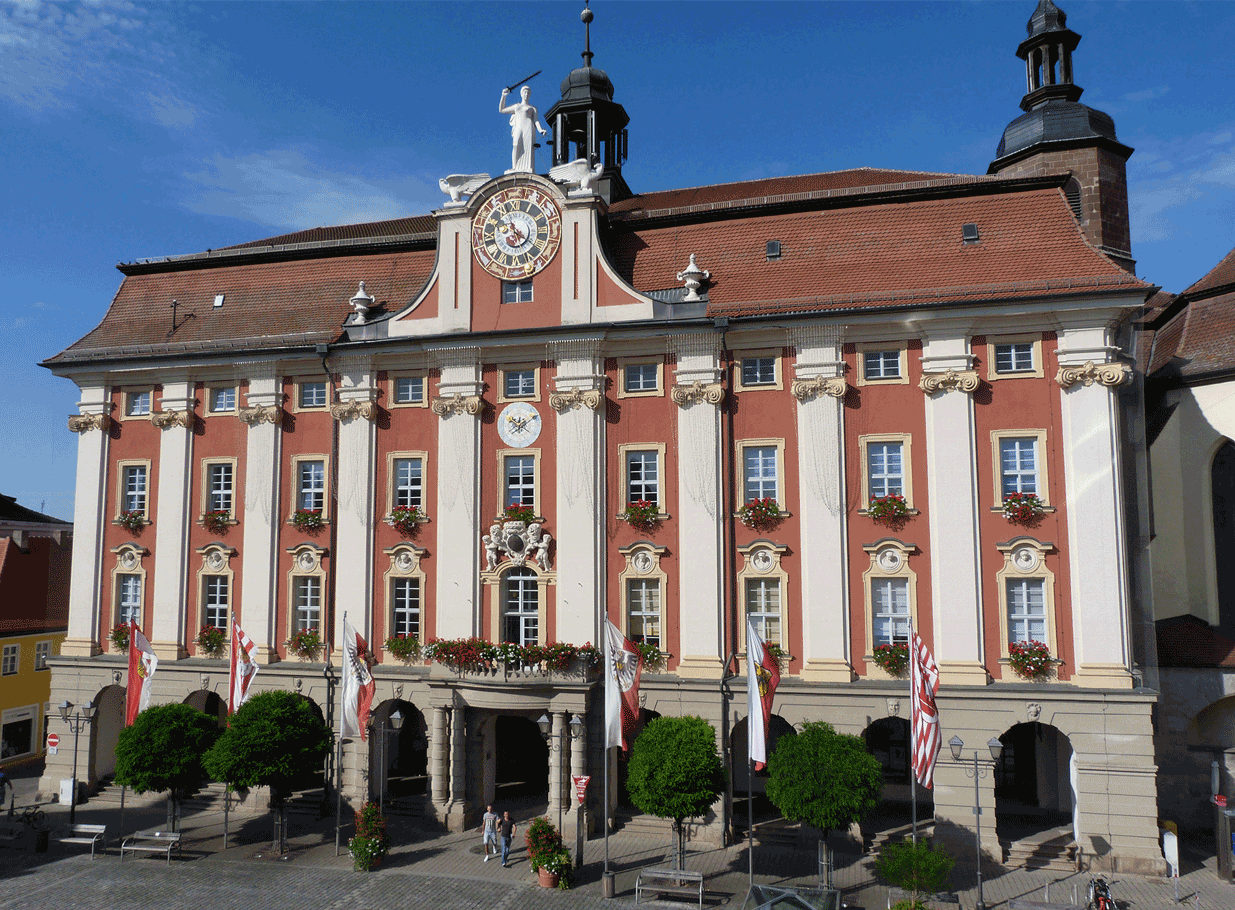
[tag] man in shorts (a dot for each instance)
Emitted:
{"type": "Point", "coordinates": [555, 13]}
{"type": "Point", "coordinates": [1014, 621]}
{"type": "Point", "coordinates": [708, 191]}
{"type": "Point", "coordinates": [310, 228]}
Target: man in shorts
{"type": "Point", "coordinates": [507, 828]}
{"type": "Point", "coordinates": [488, 831]}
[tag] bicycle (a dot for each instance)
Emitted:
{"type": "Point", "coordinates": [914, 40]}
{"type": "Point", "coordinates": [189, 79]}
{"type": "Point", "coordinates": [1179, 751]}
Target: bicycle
{"type": "Point", "coordinates": [1100, 894]}
{"type": "Point", "coordinates": [32, 816]}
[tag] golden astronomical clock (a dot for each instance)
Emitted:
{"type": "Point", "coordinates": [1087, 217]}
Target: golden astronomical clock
{"type": "Point", "coordinates": [516, 232]}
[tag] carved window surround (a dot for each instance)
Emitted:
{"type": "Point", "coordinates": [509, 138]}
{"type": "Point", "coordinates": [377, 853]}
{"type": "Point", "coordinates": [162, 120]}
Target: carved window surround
{"type": "Point", "coordinates": [1025, 558]}
{"type": "Point", "coordinates": [889, 559]}
{"type": "Point", "coordinates": [216, 560]}
{"type": "Point", "coordinates": [493, 580]}
{"type": "Point", "coordinates": [1086, 374]}
{"type": "Point", "coordinates": [761, 560]}
{"type": "Point", "coordinates": [685, 395]}
{"type": "Point", "coordinates": [949, 381]}
{"type": "Point", "coordinates": [129, 561]}
{"type": "Point", "coordinates": [643, 564]}
{"type": "Point", "coordinates": [404, 564]}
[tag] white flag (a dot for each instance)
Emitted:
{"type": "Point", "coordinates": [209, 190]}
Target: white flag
{"type": "Point", "coordinates": [244, 669]}
{"type": "Point", "coordinates": [762, 678]}
{"type": "Point", "coordinates": [142, 664]}
{"type": "Point", "coordinates": [623, 665]}
{"type": "Point", "coordinates": [358, 685]}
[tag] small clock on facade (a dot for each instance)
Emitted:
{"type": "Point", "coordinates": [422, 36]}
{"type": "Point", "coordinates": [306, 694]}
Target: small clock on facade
{"type": "Point", "coordinates": [518, 425]}
{"type": "Point", "coordinates": [516, 232]}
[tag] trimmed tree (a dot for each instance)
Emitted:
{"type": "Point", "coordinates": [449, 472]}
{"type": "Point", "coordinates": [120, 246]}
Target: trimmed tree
{"type": "Point", "coordinates": [675, 772]}
{"type": "Point", "coordinates": [274, 740]}
{"type": "Point", "coordinates": [919, 869]}
{"type": "Point", "coordinates": [163, 750]}
{"type": "Point", "coordinates": [823, 778]}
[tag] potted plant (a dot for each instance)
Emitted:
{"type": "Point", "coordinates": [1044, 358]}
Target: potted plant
{"type": "Point", "coordinates": [371, 842]}
{"type": "Point", "coordinates": [305, 644]}
{"type": "Point", "coordinates": [1023, 508]}
{"type": "Point", "coordinates": [889, 510]}
{"type": "Point", "coordinates": [517, 512]}
{"type": "Point", "coordinates": [760, 514]}
{"type": "Point", "coordinates": [778, 654]}
{"type": "Point", "coordinates": [404, 647]}
{"type": "Point", "coordinates": [211, 641]}
{"type": "Point", "coordinates": [119, 637]}
{"type": "Point", "coordinates": [406, 519]}
{"type": "Point", "coordinates": [653, 657]}
{"type": "Point", "coordinates": [642, 515]}
{"type": "Point", "coordinates": [308, 520]}
{"type": "Point", "coordinates": [217, 521]}
{"type": "Point", "coordinates": [548, 857]}
{"type": "Point", "coordinates": [893, 658]}
{"type": "Point", "coordinates": [132, 520]}
{"type": "Point", "coordinates": [1031, 660]}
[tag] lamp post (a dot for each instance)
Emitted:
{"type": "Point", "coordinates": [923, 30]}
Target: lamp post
{"type": "Point", "coordinates": [77, 721]}
{"type": "Point", "coordinates": [956, 744]}
{"type": "Point", "coordinates": [395, 723]}
{"type": "Point", "coordinates": [576, 736]}
{"type": "Point", "coordinates": [555, 748]}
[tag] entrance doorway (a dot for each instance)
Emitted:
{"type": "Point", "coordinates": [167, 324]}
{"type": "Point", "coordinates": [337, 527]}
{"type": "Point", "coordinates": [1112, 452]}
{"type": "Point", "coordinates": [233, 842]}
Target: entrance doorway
{"type": "Point", "coordinates": [1033, 782]}
{"type": "Point", "coordinates": [522, 760]}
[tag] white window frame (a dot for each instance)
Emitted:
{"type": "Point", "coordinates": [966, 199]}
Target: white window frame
{"type": "Point", "coordinates": [212, 390]}
{"type": "Point", "coordinates": [627, 363]}
{"type": "Point", "coordinates": [42, 651]}
{"type": "Point", "coordinates": [531, 578]}
{"type": "Point", "coordinates": [643, 565]}
{"type": "Point", "coordinates": [994, 374]}
{"type": "Point", "coordinates": [10, 659]}
{"type": "Point", "coordinates": [392, 489]}
{"type": "Point", "coordinates": [739, 381]}
{"type": "Point", "coordinates": [503, 490]}
{"type": "Point", "coordinates": [1025, 559]}
{"type": "Point", "coordinates": [497, 605]}
{"type": "Point", "coordinates": [298, 395]}
{"type": "Point", "coordinates": [122, 484]}
{"type": "Point", "coordinates": [216, 562]}
{"type": "Point", "coordinates": [405, 567]}
{"type": "Point", "coordinates": [899, 347]}
{"type": "Point", "coordinates": [657, 449]}
{"type": "Point", "coordinates": [533, 368]}
{"type": "Point", "coordinates": [306, 564]}
{"type": "Point", "coordinates": [395, 379]}
{"type": "Point", "coordinates": [889, 559]}
{"type": "Point", "coordinates": [513, 291]}
{"type": "Point", "coordinates": [207, 496]}
{"type": "Point", "coordinates": [740, 455]}
{"type": "Point", "coordinates": [1043, 477]}
{"type": "Point", "coordinates": [129, 401]}
{"type": "Point", "coordinates": [297, 490]}
{"type": "Point", "coordinates": [762, 561]}
{"type": "Point", "coordinates": [864, 442]}
{"type": "Point", "coordinates": [130, 560]}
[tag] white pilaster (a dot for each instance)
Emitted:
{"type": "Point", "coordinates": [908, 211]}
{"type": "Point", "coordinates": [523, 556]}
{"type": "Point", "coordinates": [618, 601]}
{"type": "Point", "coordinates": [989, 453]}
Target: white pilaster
{"type": "Point", "coordinates": [701, 545]}
{"type": "Point", "coordinates": [819, 387]}
{"type": "Point", "coordinates": [89, 515]}
{"type": "Point", "coordinates": [952, 495]}
{"type": "Point", "coordinates": [454, 272]}
{"type": "Point", "coordinates": [172, 520]}
{"type": "Point", "coordinates": [578, 261]}
{"type": "Point", "coordinates": [579, 523]}
{"type": "Point", "coordinates": [260, 521]}
{"type": "Point", "coordinates": [1096, 545]}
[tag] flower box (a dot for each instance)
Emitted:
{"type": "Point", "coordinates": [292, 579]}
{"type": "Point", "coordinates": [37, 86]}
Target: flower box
{"type": "Point", "coordinates": [217, 521]}
{"type": "Point", "coordinates": [516, 512]}
{"type": "Point", "coordinates": [760, 514]}
{"type": "Point", "coordinates": [893, 659]}
{"type": "Point", "coordinates": [404, 647]}
{"type": "Point", "coordinates": [306, 644]}
{"type": "Point", "coordinates": [132, 520]}
{"type": "Point", "coordinates": [119, 637]}
{"type": "Point", "coordinates": [642, 515]}
{"type": "Point", "coordinates": [1031, 660]}
{"type": "Point", "coordinates": [308, 520]}
{"type": "Point", "coordinates": [889, 510]}
{"type": "Point", "coordinates": [406, 519]}
{"type": "Point", "coordinates": [1023, 508]}
{"type": "Point", "coordinates": [211, 641]}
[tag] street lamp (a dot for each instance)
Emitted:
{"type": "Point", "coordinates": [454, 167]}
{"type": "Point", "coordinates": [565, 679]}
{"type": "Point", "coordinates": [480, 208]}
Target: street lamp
{"type": "Point", "coordinates": [77, 722]}
{"type": "Point", "coordinates": [996, 748]}
{"type": "Point", "coordinates": [555, 748]}
{"type": "Point", "coordinates": [395, 723]}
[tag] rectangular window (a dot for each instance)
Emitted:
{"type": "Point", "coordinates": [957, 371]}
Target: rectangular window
{"type": "Point", "coordinates": [878, 365]}
{"type": "Point", "coordinates": [42, 651]}
{"type": "Point", "coordinates": [1026, 610]}
{"type": "Point", "coordinates": [1014, 358]}
{"type": "Point", "coordinates": [223, 399]}
{"type": "Point", "coordinates": [405, 594]}
{"type": "Point", "coordinates": [763, 606]}
{"type": "Point", "coordinates": [520, 383]}
{"type": "Point", "coordinates": [641, 377]}
{"type": "Point", "coordinates": [885, 469]}
{"type": "Point", "coordinates": [313, 394]}
{"type": "Point", "coordinates": [516, 292]}
{"type": "Point", "coordinates": [214, 596]}
{"type": "Point", "coordinates": [409, 389]}
{"type": "Point", "coordinates": [308, 598]}
{"type": "Point", "coordinates": [312, 485]}
{"type": "Point", "coordinates": [760, 473]}
{"type": "Point", "coordinates": [1018, 465]}
{"type": "Point", "coordinates": [643, 476]}
{"type": "Point", "coordinates": [520, 483]}
{"type": "Point", "coordinates": [758, 371]}
{"type": "Point", "coordinates": [129, 590]}
{"type": "Point", "coordinates": [219, 488]}
{"type": "Point", "coordinates": [407, 482]}
{"type": "Point", "coordinates": [8, 666]}
{"type": "Point", "coordinates": [643, 605]}
{"type": "Point", "coordinates": [137, 404]}
{"type": "Point", "coordinates": [889, 611]}
{"type": "Point", "coordinates": [134, 496]}
{"type": "Point", "coordinates": [522, 608]}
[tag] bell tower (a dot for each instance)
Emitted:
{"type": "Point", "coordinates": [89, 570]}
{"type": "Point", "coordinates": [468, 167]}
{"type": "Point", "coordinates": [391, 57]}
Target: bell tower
{"type": "Point", "coordinates": [1057, 132]}
{"type": "Point", "coordinates": [587, 123]}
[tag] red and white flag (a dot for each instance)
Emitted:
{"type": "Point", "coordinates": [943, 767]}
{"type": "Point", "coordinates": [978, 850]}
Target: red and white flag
{"type": "Point", "coordinates": [244, 669]}
{"type": "Point", "coordinates": [623, 667]}
{"type": "Point", "coordinates": [924, 683]}
{"type": "Point", "coordinates": [358, 684]}
{"type": "Point", "coordinates": [142, 664]}
{"type": "Point", "coordinates": [762, 678]}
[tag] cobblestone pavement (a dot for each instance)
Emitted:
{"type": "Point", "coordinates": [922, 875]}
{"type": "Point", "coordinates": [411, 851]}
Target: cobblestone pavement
{"type": "Point", "coordinates": [447, 871]}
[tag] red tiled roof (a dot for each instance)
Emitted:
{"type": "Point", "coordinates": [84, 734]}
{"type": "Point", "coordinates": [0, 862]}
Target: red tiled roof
{"type": "Point", "coordinates": [1219, 276]}
{"type": "Point", "coordinates": [877, 255]}
{"type": "Point", "coordinates": [266, 304]}
{"type": "Point", "coordinates": [1200, 339]}
{"type": "Point", "coordinates": [397, 227]}
{"type": "Point", "coordinates": [1185, 641]}
{"type": "Point", "coordinates": [1166, 342]}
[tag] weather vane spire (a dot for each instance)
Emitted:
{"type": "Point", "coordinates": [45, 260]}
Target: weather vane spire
{"type": "Point", "coordinates": [587, 17]}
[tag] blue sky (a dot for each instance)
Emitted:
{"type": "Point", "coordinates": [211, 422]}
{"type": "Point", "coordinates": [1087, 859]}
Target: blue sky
{"type": "Point", "coordinates": [146, 129]}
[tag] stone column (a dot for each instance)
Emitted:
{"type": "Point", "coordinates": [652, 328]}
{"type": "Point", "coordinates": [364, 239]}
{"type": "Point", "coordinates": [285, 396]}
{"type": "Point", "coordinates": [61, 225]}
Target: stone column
{"type": "Point", "coordinates": [356, 410]}
{"type": "Point", "coordinates": [557, 765]}
{"type": "Point", "coordinates": [1088, 375]}
{"type": "Point", "coordinates": [456, 808]}
{"type": "Point", "coordinates": [458, 494]}
{"type": "Point", "coordinates": [89, 513]}
{"type": "Point", "coordinates": [948, 379]}
{"type": "Point", "coordinates": [439, 761]}
{"type": "Point", "coordinates": [578, 767]}
{"type": "Point", "coordinates": [580, 520]}
{"type": "Point", "coordinates": [262, 511]}
{"type": "Point", "coordinates": [698, 393]}
{"type": "Point", "coordinates": [819, 388]}
{"type": "Point", "coordinates": [172, 518]}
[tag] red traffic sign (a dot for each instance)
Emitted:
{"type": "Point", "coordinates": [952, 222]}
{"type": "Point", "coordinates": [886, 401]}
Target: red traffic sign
{"type": "Point", "coordinates": [1219, 800]}
{"type": "Point", "coordinates": [53, 740]}
{"type": "Point", "coordinates": [581, 785]}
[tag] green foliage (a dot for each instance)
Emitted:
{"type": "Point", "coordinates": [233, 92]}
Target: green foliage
{"type": "Point", "coordinates": [675, 771]}
{"type": "Point", "coordinates": [371, 842]}
{"type": "Point", "coordinates": [917, 868]}
{"type": "Point", "coordinates": [163, 749]}
{"type": "Point", "coordinates": [823, 778]}
{"type": "Point", "coordinates": [274, 739]}
{"type": "Point", "coordinates": [542, 840]}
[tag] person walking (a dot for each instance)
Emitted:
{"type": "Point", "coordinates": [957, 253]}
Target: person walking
{"type": "Point", "coordinates": [507, 828]}
{"type": "Point", "coordinates": [488, 831]}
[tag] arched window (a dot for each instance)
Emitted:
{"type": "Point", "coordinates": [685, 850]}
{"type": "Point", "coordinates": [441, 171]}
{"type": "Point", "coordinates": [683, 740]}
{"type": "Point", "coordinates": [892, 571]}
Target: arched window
{"type": "Point", "coordinates": [1222, 485]}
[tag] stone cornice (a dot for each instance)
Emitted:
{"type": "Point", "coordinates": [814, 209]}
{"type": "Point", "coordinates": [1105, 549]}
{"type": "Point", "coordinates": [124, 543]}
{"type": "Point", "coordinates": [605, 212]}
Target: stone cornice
{"type": "Point", "coordinates": [949, 381]}
{"type": "Point", "coordinates": [817, 386]}
{"type": "Point", "coordinates": [575, 398]}
{"type": "Point", "coordinates": [1107, 374]}
{"type": "Point", "coordinates": [456, 404]}
{"type": "Point", "coordinates": [259, 414]}
{"type": "Point", "coordinates": [172, 418]}
{"type": "Point", "coordinates": [683, 395]}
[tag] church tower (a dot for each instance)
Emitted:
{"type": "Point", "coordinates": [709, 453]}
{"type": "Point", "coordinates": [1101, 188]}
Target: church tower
{"type": "Point", "coordinates": [587, 123]}
{"type": "Point", "coordinates": [1057, 132]}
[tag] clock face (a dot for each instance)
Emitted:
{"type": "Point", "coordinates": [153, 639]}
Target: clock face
{"type": "Point", "coordinates": [516, 233]}
{"type": "Point", "coordinates": [518, 425]}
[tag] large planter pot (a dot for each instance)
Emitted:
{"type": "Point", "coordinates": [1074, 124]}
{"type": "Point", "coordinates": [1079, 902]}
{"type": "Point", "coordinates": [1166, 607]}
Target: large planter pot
{"type": "Point", "coordinates": [372, 867]}
{"type": "Point", "coordinates": [547, 879]}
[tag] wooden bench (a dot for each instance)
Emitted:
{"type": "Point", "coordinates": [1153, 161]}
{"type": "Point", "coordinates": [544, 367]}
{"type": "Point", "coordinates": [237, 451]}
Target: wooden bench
{"type": "Point", "coordinates": [87, 834]}
{"type": "Point", "coordinates": [151, 842]}
{"type": "Point", "coordinates": [669, 881]}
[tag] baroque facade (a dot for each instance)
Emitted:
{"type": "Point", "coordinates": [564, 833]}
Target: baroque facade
{"type": "Point", "coordinates": [569, 345]}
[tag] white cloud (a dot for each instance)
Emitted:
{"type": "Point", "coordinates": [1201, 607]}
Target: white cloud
{"type": "Point", "coordinates": [1148, 94]}
{"type": "Point", "coordinates": [172, 112]}
{"type": "Point", "coordinates": [1166, 175]}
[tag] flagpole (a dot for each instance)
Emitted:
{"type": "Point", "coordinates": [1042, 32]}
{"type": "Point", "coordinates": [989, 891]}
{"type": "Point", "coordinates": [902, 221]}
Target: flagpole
{"type": "Point", "coordinates": [750, 813]}
{"type": "Point", "coordinates": [913, 774]}
{"type": "Point", "coordinates": [338, 768]}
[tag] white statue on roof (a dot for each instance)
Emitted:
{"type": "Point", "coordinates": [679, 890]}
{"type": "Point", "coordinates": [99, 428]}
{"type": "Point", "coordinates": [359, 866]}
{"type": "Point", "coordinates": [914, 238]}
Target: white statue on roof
{"type": "Point", "coordinates": [577, 173]}
{"type": "Point", "coordinates": [523, 117]}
